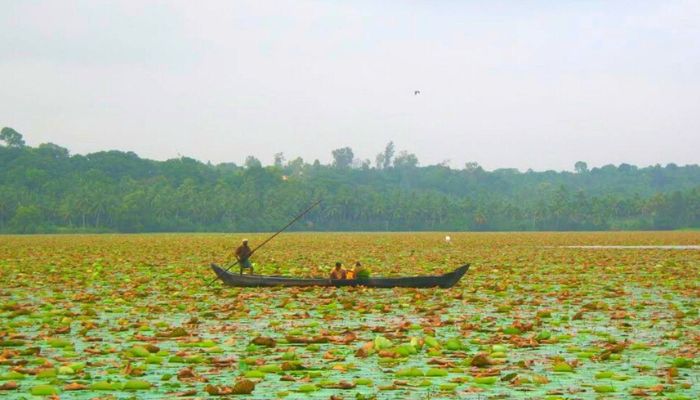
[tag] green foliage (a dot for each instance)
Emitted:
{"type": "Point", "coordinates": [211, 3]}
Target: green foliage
{"type": "Point", "coordinates": [363, 273]}
{"type": "Point", "coordinates": [45, 189]}
{"type": "Point", "coordinates": [581, 167]}
{"type": "Point", "coordinates": [405, 160]}
{"type": "Point", "coordinates": [11, 137]}
{"type": "Point", "coordinates": [252, 163]}
{"type": "Point", "coordinates": [384, 159]}
{"type": "Point", "coordinates": [342, 158]}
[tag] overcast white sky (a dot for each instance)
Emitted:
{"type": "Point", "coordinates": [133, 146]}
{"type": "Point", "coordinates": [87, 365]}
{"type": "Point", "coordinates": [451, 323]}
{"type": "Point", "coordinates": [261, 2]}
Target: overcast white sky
{"type": "Point", "coordinates": [523, 84]}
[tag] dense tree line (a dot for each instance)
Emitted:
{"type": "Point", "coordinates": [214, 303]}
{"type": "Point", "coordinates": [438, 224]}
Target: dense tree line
{"type": "Point", "coordinates": [45, 189]}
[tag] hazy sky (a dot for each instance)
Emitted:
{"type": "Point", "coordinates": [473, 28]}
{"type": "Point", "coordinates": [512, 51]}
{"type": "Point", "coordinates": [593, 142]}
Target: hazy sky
{"type": "Point", "coordinates": [523, 84]}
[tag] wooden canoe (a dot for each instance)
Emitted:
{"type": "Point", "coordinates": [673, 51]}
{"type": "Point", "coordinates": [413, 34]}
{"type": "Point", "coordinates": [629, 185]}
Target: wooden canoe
{"type": "Point", "coordinates": [428, 281]}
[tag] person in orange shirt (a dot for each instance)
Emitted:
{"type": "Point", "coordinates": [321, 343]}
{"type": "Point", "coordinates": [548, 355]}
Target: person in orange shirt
{"type": "Point", "coordinates": [351, 273]}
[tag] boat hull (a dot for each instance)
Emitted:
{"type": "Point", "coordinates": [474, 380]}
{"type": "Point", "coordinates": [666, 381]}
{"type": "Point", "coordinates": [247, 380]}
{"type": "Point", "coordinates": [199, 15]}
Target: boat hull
{"type": "Point", "coordinates": [429, 281]}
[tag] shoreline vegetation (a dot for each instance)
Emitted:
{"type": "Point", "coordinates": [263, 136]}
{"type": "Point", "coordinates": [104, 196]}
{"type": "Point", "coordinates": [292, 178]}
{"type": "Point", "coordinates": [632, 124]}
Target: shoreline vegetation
{"type": "Point", "coordinates": [45, 189]}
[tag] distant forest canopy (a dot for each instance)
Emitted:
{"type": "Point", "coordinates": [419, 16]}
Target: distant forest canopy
{"type": "Point", "coordinates": [45, 189]}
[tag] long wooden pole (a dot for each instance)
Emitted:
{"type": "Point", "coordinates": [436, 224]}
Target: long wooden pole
{"type": "Point", "coordinates": [273, 236]}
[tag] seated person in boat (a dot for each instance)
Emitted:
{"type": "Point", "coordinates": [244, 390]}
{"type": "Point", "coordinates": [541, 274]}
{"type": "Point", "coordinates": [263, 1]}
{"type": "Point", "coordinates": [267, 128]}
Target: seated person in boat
{"type": "Point", "coordinates": [361, 272]}
{"type": "Point", "coordinates": [352, 272]}
{"type": "Point", "coordinates": [338, 272]}
{"type": "Point", "coordinates": [243, 253]}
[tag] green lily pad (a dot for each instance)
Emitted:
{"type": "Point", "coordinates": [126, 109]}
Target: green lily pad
{"type": "Point", "coordinates": [44, 390]}
{"type": "Point", "coordinates": [136, 384]}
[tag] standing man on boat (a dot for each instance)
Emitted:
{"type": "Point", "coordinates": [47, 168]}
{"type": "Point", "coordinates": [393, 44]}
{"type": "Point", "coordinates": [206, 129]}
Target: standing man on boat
{"type": "Point", "coordinates": [243, 253]}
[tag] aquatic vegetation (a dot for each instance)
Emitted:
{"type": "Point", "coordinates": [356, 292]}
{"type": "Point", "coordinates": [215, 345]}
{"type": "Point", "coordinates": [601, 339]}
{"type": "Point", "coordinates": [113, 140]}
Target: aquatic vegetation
{"type": "Point", "coordinates": [126, 316]}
